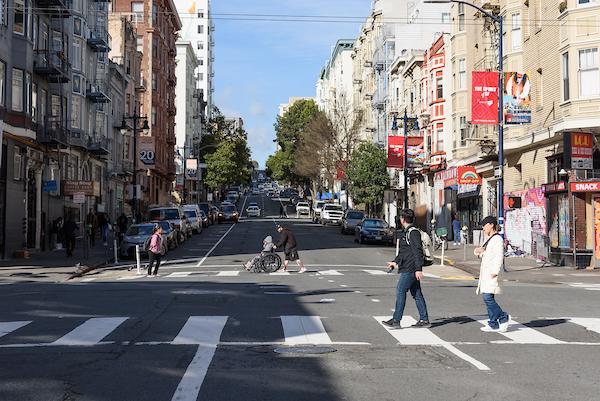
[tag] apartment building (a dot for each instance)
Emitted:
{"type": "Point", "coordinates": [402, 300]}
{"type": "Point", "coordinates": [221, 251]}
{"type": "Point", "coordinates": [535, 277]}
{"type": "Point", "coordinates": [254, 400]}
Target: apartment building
{"type": "Point", "coordinates": [157, 25]}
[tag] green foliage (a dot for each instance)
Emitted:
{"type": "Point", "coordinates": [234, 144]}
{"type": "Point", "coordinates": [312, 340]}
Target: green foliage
{"type": "Point", "coordinates": [367, 174]}
{"type": "Point", "coordinates": [222, 169]}
{"type": "Point", "coordinates": [278, 165]}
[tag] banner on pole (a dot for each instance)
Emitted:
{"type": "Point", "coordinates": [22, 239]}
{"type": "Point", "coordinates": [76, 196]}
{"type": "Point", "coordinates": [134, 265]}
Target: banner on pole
{"type": "Point", "coordinates": [517, 98]}
{"type": "Point", "coordinates": [146, 152]}
{"type": "Point", "coordinates": [191, 169]}
{"type": "Point", "coordinates": [416, 151]}
{"type": "Point", "coordinates": [484, 97]}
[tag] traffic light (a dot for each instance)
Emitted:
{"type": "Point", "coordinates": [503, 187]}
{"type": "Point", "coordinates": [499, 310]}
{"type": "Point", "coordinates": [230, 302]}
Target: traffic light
{"type": "Point", "coordinates": [514, 202]}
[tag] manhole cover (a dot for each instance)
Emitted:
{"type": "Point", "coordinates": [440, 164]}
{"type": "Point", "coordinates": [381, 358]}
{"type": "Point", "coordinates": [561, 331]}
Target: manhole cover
{"type": "Point", "coordinates": [305, 349]}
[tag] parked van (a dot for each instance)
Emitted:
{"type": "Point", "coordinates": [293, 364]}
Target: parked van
{"type": "Point", "coordinates": [192, 212]}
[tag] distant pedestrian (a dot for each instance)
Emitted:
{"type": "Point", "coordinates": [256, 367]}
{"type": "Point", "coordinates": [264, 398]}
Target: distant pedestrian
{"type": "Point", "coordinates": [70, 229]}
{"type": "Point", "coordinates": [155, 251]}
{"type": "Point", "coordinates": [91, 222]}
{"type": "Point", "coordinates": [287, 240]}
{"type": "Point", "coordinates": [122, 225]}
{"type": "Point", "coordinates": [282, 213]}
{"type": "Point", "coordinates": [56, 233]}
{"type": "Point", "coordinates": [492, 259]}
{"type": "Point", "coordinates": [104, 227]}
{"type": "Point", "coordinates": [409, 263]}
{"type": "Point", "coordinates": [456, 229]}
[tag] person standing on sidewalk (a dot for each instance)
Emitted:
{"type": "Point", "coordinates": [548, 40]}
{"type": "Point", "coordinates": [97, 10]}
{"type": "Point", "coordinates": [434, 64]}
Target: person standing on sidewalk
{"type": "Point", "coordinates": [287, 240]}
{"type": "Point", "coordinates": [70, 235]}
{"type": "Point", "coordinates": [456, 229]}
{"type": "Point", "coordinates": [492, 259]}
{"type": "Point", "coordinates": [104, 227]}
{"type": "Point", "coordinates": [91, 222]}
{"type": "Point", "coordinates": [409, 263]}
{"type": "Point", "coordinates": [155, 251]}
{"type": "Point", "coordinates": [122, 224]}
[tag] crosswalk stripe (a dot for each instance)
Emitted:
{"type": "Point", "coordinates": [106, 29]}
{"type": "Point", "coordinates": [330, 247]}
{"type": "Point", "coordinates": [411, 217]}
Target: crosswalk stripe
{"type": "Point", "coordinates": [205, 331]}
{"type": "Point", "coordinates": [590, 323]}
{"type": "Point", "coordinates": [376, 272]}
{"type": "Point", "coordinates": [201, 330]}
{"type": "Point", "coordinates": [330, 273]}
{"type": "Point", "coordinates": [423, 336]}
{"type": "Point", "coordinates": [304, 330]}
{"type": "Point", "coordinates": [230, 273]}
{"type": "Point", "coordinates": [521, 334]}
{"type": "Point", "coordinates": [91, 332]}
{"type": "Point", "coordinates": [179, 274]}
{"type": "Point", "coordinates": [9, 327]}
{"type": "Point", "coordinates": [279, 274]}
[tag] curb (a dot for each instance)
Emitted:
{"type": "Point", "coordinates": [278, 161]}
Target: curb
{"type": "Point", "coordinates": [86, 269]}
{"type": "Point", "coordinates": [467, 269]}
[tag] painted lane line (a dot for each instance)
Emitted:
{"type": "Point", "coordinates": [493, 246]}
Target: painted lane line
{"type": "Point", "coordinates": [375, 300]}
{"type": "Point", "coordinates": [331, 281]}
{"type": "Point", "coordinates": [376, 272]}
{"type": "Point", "coordinates": [521, 334]}
{"type": "Point", "coordinates": [423, 336]}
{"type": "Point", "coordinates": [179, 274]}
{"type": "Point", "coordinates": [131, 277]}
{"type": "Point", "coordinates": [208, 331]}
{"type": "Point", "coordinates": [277, 293]}
{"type": "Point", "coordinates": [215, 246]}
{"type": "Point", "coordinates": [279, 274]}
{"type": "Point", "coordinates": [431, 275]}
{"type": "Point", "coordinates": [229, 273]}
{"type": "Point", "coordinates": [9, 327]}
{"type": "Point", "coordinates": [91, 332]}
{"type": "Point", "coordinates": [304, 330]}
{"type": "Point", "coordinates": [590, 323]}
{"type": "Point", "coordinates": [343, 285]}
{"type": "Point", "coordinates": [329, 273]}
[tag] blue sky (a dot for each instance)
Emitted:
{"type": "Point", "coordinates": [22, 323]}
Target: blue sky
{"type": "Point", "coordinates": [258, 65]}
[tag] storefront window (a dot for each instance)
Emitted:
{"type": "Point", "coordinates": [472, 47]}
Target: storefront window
{"type": "Point", "coordinates": [559, 230]}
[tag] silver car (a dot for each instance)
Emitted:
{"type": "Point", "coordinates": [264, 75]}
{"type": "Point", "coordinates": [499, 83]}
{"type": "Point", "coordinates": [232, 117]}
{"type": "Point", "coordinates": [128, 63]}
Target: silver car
{"type": "Point", "coordinates": [351, 220]}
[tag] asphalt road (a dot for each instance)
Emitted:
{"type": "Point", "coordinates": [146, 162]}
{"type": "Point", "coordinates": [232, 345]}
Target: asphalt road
{"type": "Point", "coordinates": [207, 330]}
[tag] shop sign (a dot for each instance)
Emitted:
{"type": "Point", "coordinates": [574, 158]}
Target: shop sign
{"type": "Point", "coordinates": [437, 161]}
{"type": "Point", "coordinates": [555, 187]}
{"type": "Point", "coordinates": [89, 188]}
{"type": "Point", "coordinates": [467, 175]}
{"type": "Point", "coordinates": [79, 198]}
{"type": "Point", "coordinates": [585, 186]}
{"type": "Point", "coordinates": [597, 230]}
{"type": "Point", "coordinates": [582, 151]}
{"type": "Point", "coordinates": [50, 186]}
{"type": "Point", "coordinates": [484, 97]}
{"type": "Point", "coordinates": [446, 178]}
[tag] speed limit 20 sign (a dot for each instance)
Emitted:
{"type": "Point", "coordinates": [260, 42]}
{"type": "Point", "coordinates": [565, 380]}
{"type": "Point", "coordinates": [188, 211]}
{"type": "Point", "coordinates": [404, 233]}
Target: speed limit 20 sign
{"type": "Point", "coordinates": [146, 151]}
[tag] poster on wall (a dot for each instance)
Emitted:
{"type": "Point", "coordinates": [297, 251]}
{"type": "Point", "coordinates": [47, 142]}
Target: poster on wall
{"type": "Point", "coordinates": [517, 98]}
{"type": "Point", "coordinates": [484, 97]}
{"type": "Point", "coordinates": [564, 239]}
{"type": "Point", "coordinates": [597, 230]}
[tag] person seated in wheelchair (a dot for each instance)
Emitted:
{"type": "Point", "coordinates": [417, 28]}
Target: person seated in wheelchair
{"type": "Point", "coordinates": [267, 248]}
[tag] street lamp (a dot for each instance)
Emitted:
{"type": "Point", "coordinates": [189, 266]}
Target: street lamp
{"type": "Point", "coordinates": [499, 20]}
{"type": "Point", "coordinates": [145, 129]}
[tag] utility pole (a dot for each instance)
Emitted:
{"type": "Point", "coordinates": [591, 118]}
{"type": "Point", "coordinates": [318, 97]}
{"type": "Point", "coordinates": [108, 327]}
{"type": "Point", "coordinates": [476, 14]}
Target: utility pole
{"type": "Point", "coordinates": [124, 129]}
{"type": "Point", "coordinates": [406, 121]}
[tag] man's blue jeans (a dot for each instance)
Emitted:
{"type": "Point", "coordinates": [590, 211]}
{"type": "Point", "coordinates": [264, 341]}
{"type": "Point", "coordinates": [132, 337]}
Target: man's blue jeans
{"type": "Point", "coordinates": [495, 312]}
{"type": "Point", "coordinates": [406, 282]}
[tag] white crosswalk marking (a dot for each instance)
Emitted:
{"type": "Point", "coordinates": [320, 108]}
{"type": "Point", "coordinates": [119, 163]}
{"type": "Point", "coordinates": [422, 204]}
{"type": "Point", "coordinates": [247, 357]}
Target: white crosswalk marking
{"type": "Point", "coordinates": [179, 274]}
{"type": "Point", "coordinates": [9, 327]}
{"type": "Point", "coordinates": [304, 330]}
{"type": "Point", "coordinates": [521, 334]}
{"type": "Point", "coordinates": [423, 336]}
{"type": "Point", "coordinates": [329, 273]}
{"type": "Point", "coordinates": [376, 272]}
{"type": "Point", "coordinates": [205, 331]}
{"type": "Point", "coordinates": [201, 330]}
{"type": "Point", "coordinates": [91, 332]}
{"type": "Point", "coordinates": [279, 274]}
{"type": "Point", "coordinates": [230, 273]}
{"type": "Point", "coordinates": [592, 324]}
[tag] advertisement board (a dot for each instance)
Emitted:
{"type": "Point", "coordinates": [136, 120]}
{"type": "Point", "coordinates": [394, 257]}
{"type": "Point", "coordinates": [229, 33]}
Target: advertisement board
{"type": "Point", "coordinates": [88, 188]}
{"type": "Point", "coordinates": [517, 98]}
{"type": "Point", "coordinates": [484, 97]}
{"type": "Point", "coordinates": [395, 156]}
{"type": "Point", "coordinates": [596, 205]}
{"type": "Point", "coordinates": [146, 149]}
{"type": "Point", "coordinates": [416, 151]}
{"type": "Point", "coordinates": [582, 151]}
{"type": "Point", "coordinates": [467, 175]}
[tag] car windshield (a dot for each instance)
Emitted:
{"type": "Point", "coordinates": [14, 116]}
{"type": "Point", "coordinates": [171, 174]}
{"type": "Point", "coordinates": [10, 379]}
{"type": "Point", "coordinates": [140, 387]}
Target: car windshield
{"type": "Point", "coordinates": [302, 204]}
{"type": "Point", "coordinates": [375, 224]}
{"type": "Point", "coordinates": [165, 226]}
{"type": "Point", "coordinates": [164, 214]}
{"type": "Point", "coordinates": [228, 209]}
{"type": "Point", "coordinates": [355, 215]}
{"type": "Point", "coordinates": [334, 208]}
{"type": "Point", "coordinates": [140, 230]}
{"type": "Point", "coordinates": [190, 213]}
{"type": "Point", "coordinates": [204, 207]}
{"type": "Point", "coordinates": [320, 204]}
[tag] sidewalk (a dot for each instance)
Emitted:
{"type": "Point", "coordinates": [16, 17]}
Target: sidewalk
{"type": "Point", "coordinates": [55, 266]}
{"type": "Point", "coordinates": [525, 269]}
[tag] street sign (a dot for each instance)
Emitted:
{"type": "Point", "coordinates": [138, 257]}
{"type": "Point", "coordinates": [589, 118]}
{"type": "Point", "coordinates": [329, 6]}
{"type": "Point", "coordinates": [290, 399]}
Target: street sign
{"type": "Point", "coordinates": [50, 186]}
{"type": "Point", "coordinates": [514, 202]}
{"type": "Point", "coordinates": [79, 197]}
{"type": "Point", "coordinates": [498, 172]}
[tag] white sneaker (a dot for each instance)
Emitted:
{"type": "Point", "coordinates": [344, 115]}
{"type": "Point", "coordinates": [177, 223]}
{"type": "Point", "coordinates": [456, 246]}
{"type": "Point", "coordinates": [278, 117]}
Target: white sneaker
{"type": "Point", "coordinates": [488, 329]}
{"type": "Point", "coordinates": [504, 326]}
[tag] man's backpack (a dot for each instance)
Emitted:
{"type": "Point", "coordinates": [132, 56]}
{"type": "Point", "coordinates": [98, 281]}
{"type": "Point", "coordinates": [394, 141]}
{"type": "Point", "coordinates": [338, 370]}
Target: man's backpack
{"type": "Point", "coordinates": [425, 242]}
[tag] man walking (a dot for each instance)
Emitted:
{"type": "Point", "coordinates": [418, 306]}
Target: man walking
{"type": "Point", "coordinates": [287, 240]}
{"type": "Point", "coordinates": [91, 222]}
{"type": "Point", "coordinates": [409, 263]}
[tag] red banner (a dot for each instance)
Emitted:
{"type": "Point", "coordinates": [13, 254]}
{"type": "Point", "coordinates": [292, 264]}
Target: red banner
{"type": "Point", "coordinates": [395, 151]}
{"type": "Point", "coordinates": [468, 175]}
{"type": "Point", "coordinates": [416, 151]}
{"type": "Point", "coordinates": [484, 98]}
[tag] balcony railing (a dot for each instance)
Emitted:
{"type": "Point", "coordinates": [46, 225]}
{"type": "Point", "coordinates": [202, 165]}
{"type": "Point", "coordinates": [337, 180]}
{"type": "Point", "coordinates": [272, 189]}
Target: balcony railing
{"type": "Point", "coordinates": [53, 65]}
{"type": "Point", "coordinates": [99, 40]}
{"type": "Point", "coordinates": [141, 87]}
{"type": "Point", "coordinates": [99, 145]}
{"type": "Point", "coordinates": [53, 133]}
{"type": "Point", "coordinates": [79, 139]}
{"type": "Point", "coordinates": [98, 91]}
{"type": "Point", "coordinates": [56, 8]}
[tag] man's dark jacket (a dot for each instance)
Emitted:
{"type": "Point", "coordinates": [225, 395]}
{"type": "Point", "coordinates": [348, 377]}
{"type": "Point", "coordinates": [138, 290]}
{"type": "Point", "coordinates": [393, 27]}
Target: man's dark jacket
{"type": "Point", "coordinates": [410, 256]}
{"type": "Point", "coordinates": [288, 239]}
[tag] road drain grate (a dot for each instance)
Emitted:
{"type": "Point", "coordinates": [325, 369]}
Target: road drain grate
{"type": "Point", "coordinates": [305, 349]}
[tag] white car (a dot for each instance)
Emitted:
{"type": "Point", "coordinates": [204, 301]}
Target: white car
{"type": "Point", "coordinates": [317, 210]}
{"type": "Point", "coordinates": [332, 213]}
{"type": "Point", "coordinates": [302, 208]}
{"type": "Point", "coordinates": [255, 191]}
{"type": "Point", "coordinates": [253, 211]}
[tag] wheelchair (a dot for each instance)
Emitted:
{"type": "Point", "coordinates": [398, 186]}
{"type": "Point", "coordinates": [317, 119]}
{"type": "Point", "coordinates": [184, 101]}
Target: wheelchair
{"type": "Point", "coordinates": [268, 263]}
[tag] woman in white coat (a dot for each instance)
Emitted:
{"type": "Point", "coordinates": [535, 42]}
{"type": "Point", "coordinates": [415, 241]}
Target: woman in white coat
{"type": "Point", "coordinates": [492, 258]}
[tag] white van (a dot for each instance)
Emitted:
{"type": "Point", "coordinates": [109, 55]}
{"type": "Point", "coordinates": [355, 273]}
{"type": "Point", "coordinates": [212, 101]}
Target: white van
{"type": "Point", "coordinates": [192, 212]}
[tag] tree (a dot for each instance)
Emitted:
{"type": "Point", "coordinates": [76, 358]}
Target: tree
{"type": "Point", "coordinates": [222, 169]}
{"type": "Point", "coordinates": [275, 165]}
{"type": "Point", "coordinates": [367, 175]}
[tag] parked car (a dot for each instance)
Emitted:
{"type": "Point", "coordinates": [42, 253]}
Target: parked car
{"type": "Point", "coordinates": [302, 208]}
{"type": "Point", "coordinates": [374, 230]}
{"type": "Point", "coordinates": [255, 191]}
{"type": "Point", "coordinates": [317, 210]}
{"type": "Point", "coordinates": [351, 220]}
{"type": "Point", "coordinates": [175, 215]}
{"type": "Point", "coordinates": [207, 209]}
{"type": "Point", "coordinates": [231, 199]}
{"type": "Point", "coordinates": [137, 234]}
{"type": "Point", "coordinates": [332, 213]}
{"type": "Point", "coordinates": [214, 213]}
{"type": "Point", "coordinates": [253, 211]}
{"type": "Point", "coordinates": [192, 212]}
{"type": "Point", "coordinates": [204, 219]}
{"type": "Point", "coordinates": [235, 194]}
{"type": "Point", "coordinates": [169, 233]}
{"type": "Point", "coordinates": [228, 213]}
{"type": "Point", "coordinates": [295, 199]}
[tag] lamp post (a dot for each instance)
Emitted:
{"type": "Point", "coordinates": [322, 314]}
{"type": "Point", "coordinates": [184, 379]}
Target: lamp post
{"type": "Point", "coordinates": [124, 129]}
{"type": "Point", "coordinates": [500, 175]}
